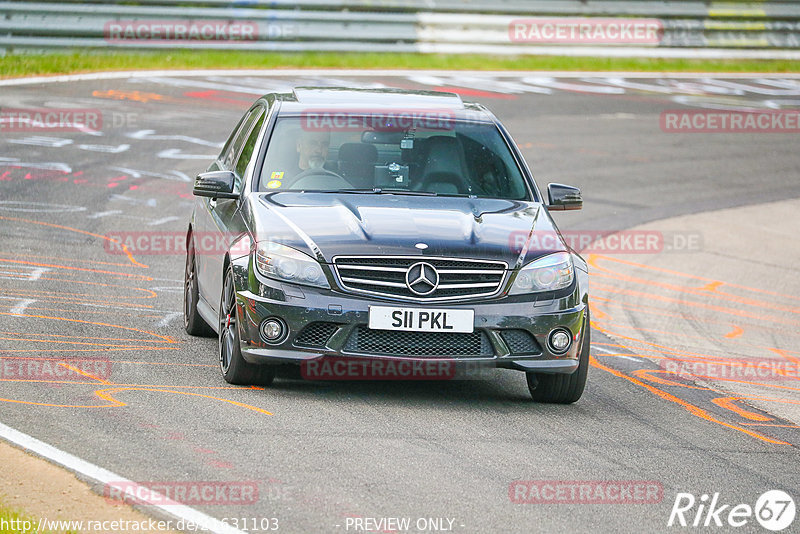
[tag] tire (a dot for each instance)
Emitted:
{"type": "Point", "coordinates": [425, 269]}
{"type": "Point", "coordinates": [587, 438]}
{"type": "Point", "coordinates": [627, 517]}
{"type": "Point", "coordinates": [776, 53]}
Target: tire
{"type": "Point", "coordinates": [235, 370]}
{"type": "Point", "coordinates": [193, 323]}
{"type": "Point", "coordinates": [563, 388]}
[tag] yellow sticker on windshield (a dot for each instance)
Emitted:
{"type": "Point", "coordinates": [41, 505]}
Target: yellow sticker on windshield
{"type": "Point", "coordinates": [274, 184]}
{"type": "Point", "coordinates": [277, 175]}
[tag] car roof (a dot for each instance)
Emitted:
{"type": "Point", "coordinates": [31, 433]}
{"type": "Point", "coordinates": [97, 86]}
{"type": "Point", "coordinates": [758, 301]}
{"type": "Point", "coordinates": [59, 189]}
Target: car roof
{"type": "Point", "coordinates": [381, 100]}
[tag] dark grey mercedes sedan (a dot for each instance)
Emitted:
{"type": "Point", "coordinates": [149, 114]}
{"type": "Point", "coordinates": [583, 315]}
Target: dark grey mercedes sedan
{"type": "Point", "coordinates": [383, 234]}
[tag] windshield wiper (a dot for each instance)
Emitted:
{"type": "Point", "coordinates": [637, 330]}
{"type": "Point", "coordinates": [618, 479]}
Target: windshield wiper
{"type": "Point", "coordinates": [376, 191]}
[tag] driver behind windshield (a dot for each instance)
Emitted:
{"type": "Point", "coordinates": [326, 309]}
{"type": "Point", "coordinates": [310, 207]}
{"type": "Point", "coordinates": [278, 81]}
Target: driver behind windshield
{"type": "Point", "coordinates": [312, 150]}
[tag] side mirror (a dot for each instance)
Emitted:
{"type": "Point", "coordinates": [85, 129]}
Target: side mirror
{"type": "Point", "coordinates": [215, 184]}
{"type": "Point", "coordinates": [564, 197]}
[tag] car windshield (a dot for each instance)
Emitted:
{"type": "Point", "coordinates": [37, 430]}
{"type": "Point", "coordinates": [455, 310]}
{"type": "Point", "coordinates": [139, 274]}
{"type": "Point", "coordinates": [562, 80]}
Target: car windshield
{"type": "Point", "coordinates": [386, 154]}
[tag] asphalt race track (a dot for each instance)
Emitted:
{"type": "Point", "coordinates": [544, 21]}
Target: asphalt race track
{"type": "Point", "coordinates": [155, 407]}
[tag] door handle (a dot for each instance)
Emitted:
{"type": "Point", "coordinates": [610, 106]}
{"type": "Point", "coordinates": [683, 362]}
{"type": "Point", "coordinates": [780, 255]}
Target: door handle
{"type": "Point", "coordinates": [212, 203]}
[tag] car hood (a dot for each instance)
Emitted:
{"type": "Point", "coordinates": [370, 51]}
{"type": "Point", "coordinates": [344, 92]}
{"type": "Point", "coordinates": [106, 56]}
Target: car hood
{"type": "Point", "coordinates": [326, 225]}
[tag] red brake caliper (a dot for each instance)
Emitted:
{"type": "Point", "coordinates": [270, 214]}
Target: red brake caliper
{"type": "Point", "coordinates": [228, 321]}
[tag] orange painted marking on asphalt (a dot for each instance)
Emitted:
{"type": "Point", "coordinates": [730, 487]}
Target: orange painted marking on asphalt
{"type": "Point", "coordinates": [711, 289]}
{"type": "Point", "coordinates": [85, 337]}
{"type": "Point", "coordinates": [712, 307]}
{"type": "Point", "coordinates": [72, 300]}
{"type": "Point", "coordinates": [596, 313]}
{"type": "Point", "coordinates": [132, 362]}
{"type": "Point", "coordinates": [711, 286]}
{"type": "Point", "coordinates": [66, 342]}
{"type": "Point", "coordinates": [71, 229]}
{"type": "Point", "coordinates": [72, 280]}
{"type": "Point", "coordinates": [652, 330]}
{"type": "Point", "coordinates": [766, 399]}
{"type": "Point", "coordinates": [659, 312]}
{"type": "Point", "coordinates": [768, 424]}
{"type": "Point", "coordinates": [105, 349]}
{"type": "Point", "coordinates": [31, 403]}
{"type": "Point", "coordinates": [106, 394]}
{"type": "Point", "coordinates": [736, 332]}
{"type": "Point", "coordinates": [129, 328]}
{"type": "Point", "coordinates": [78, 260]}
{"type": "Point", "coordinates": [86, 269]}
{"type": "Point", "coordinates": [647, 375]}
{"type": "Point", "coordinates": [82, 312]}
{"type": "Point", "coordinates": [728, 404]}
{"type": "Point", "coordinates": [783, 353]}
{"type": "Point", "coordinates": [693, 357]}
{"type": "Point", "coordinates": [84, 373]}
{"type": "Point", "coordinates": [658, 348]}
{"type": "Point", "coordinates": [150, 294]}
{"type": "Point", "coordinates": [617, 326]}
{"type": "Point", "coordinates": [93, 383]}
{"type": "Point", "coordinates": [750, 302]}
{"type": "Point", "coordinates": [62, 382]}
{"type": "Point", "coordinates": [593, 258]}
{"type": "Point", "coordinates": [691, 408]}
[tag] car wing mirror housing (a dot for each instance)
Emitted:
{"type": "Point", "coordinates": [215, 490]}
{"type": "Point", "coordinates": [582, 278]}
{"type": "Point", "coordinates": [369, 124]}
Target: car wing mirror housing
{"type": "Point", "coordinates": [563, 197]}
{"type": "Point", "coordinates": [215, 184]}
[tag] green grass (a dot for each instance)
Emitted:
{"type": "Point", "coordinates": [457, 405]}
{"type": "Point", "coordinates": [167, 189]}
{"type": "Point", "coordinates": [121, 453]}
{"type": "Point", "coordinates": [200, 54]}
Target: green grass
{"type": "Point", "coordinates": [15, 65]}
{"type": "Point", "coordinates": [9, 517]}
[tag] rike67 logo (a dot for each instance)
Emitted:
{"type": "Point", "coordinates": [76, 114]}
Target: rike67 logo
{"type": "Point", "coordinates": [774, 510]}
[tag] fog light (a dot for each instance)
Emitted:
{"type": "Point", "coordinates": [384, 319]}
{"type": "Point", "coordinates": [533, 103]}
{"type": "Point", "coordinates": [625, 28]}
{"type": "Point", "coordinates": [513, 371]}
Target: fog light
{"type": "Point", "coordinates": [272, 330]}
{"type": "Point", "coordinates": [559, 341]}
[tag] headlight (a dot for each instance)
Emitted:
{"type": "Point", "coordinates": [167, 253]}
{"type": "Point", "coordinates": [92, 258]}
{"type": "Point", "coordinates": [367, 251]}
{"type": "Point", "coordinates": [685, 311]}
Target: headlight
{"type": "Point", "coordinates": [550, 273]}
{"type": "Point", "coordinates": [286, 264]}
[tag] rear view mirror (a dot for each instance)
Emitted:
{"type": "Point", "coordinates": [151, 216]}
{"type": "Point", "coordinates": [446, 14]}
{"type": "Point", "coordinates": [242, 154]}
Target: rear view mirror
{"type": "Point", "coordinates": [564, 197]}
{"type": "Point", "coordinates": [375, 137]}
{"type": "Point", "coordinates": [215, 184]}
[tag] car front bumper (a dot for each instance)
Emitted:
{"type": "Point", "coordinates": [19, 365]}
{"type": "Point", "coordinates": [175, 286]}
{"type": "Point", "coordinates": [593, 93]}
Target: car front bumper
{"type": "Point", "coordinates": [344, 332]}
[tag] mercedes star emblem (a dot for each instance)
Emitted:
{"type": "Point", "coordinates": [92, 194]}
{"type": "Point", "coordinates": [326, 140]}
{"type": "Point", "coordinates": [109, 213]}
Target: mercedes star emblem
{"type": "Point", "coordinates": [422, 278]}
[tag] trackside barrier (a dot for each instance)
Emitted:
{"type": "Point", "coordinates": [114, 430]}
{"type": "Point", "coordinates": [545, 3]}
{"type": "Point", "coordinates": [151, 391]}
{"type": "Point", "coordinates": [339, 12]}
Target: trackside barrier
{"type": "Point", "coordinates": [612, 27]}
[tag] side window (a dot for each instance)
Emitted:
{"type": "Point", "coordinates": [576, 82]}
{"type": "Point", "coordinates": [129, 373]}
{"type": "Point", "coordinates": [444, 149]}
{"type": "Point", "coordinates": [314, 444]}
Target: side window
{"type": "Point", "coordinates": [231, 138]}
{"type": "Point", "coordinates": [247, 151]}
{"type": "Point", "coordinates": [234, 147]}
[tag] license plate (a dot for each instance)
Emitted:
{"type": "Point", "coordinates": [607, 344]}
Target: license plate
{"type": "Point", "coordinates": [421, 319]}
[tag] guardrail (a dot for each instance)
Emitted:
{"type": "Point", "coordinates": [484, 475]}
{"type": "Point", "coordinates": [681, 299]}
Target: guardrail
{"type": "Point", "coordinates": [685, 28]}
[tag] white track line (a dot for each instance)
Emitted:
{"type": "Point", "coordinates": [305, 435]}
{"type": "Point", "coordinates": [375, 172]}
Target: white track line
{"type": "Point", "coordinates": [603, 350]}
{"type": "Point", "coordinates": [102, 476]}
{"type": "Point", "coordinates": [19, 309]}
{"type": "Point", "coordinates": [376, 73]}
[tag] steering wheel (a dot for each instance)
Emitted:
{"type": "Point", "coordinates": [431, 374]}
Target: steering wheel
{"type": "Point", "coordinates": [320, 179]}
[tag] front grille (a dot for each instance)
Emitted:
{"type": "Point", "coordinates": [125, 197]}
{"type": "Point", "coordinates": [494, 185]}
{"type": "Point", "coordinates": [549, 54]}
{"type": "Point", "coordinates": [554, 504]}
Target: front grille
{"type": "Point", "coordinates": [390, 343]}
{"type": "Point", "coordinates": [315, 335]}
{"type": "Point", "coordinates": [386, 276]}
{"type": "Point", "coordinates": [520, 342]}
